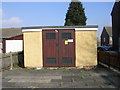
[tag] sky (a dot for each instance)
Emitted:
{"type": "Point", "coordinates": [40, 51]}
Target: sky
{"type": "Point", "coordinates": [24, 14]}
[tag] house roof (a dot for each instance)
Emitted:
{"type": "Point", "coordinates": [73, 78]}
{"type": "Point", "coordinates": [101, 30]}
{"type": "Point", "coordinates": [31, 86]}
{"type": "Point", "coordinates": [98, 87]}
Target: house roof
{"type": "Point", "coordinates": [116, 6]}
{"type": "Point", "coordinates": [10, 32]}
{"type": "Point", "coordinates": [109, 30]}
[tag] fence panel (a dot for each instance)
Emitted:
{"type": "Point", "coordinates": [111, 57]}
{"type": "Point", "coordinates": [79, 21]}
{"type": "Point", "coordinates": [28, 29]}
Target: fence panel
{"type": "Point", "coordinates": [11, 59]}
{"type": "Point", "coordinates": [110, 59]}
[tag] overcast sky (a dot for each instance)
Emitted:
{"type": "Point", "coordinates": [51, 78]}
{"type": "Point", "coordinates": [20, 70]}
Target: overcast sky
{"type": "Point", "coordinates": [24, 14]}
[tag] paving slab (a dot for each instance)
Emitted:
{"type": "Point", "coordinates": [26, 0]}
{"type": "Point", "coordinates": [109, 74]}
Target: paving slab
{"type": "Point", "coordinates": [30, 80]}
{"type": "Point", "coordinates": [34, 77]}
{"type": "Point", "coordinates": [72, 85]}
{"type": "Point", "coordinates": [99, 77]}
{"type": "Point", "coordinates": [37, 85]}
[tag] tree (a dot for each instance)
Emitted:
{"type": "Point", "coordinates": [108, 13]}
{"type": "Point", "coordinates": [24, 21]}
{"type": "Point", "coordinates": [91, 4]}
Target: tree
{"type": "Point", "coordinates": [75, 14]}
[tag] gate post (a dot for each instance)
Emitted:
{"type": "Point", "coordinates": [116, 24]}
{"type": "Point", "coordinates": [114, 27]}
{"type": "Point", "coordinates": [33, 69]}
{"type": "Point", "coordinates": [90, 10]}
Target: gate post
{"type": "Point", "coordinates": [11, 61]}
{"type": "Point", "coordinates": [119, 60]}
{"type": "Point", "coordinates": [98, 57]}
{"type": "Point", "coordinates": [109, 55]}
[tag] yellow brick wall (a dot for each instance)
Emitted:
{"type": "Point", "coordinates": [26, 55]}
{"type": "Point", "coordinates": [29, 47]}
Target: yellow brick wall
{"type": "Point", "coordinates": [86, 48]}
{"type": "Point", "coordinates": [33, 49]}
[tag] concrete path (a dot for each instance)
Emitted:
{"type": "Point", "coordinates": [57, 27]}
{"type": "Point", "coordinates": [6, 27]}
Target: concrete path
{"type": "Point", "coordinates": [75, 78]}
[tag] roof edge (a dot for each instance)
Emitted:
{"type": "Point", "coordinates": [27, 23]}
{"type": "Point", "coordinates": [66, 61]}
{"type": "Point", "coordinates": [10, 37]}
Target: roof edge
{"type": "Point", "coordinates": [41, 27]}
{"type": "Point", "coordinates": [76, 29]}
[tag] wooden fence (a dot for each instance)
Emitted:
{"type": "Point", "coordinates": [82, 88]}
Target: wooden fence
{"type": "Point", "coordinates": [111, 59]}
{"type": "Point", "coordinates": [9, 60]}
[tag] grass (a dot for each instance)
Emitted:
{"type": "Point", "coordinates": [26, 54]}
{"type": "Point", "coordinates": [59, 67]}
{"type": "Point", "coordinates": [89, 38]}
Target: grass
{"type": "Point", "coordinates": [61, 68]}
{"type": "Point", "coordinates": [32, 87]}
{"type": "Point", "coordinates": [49, 68]}
{"type": "Point", "coordinates": [45, 68]}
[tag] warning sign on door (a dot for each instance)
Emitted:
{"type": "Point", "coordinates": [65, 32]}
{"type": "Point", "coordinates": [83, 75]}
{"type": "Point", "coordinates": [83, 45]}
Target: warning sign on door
{"type": "Point", "coordinates": [70, 40]}
{"type": "Point", "coordinates": [66, 42]}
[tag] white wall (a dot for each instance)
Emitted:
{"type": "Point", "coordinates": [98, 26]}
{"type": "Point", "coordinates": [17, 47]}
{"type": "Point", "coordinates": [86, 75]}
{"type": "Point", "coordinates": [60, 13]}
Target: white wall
{"type": "Point", "coordinates": [14, 45]}
{"type": "Point", "coordinates": [0, 47]}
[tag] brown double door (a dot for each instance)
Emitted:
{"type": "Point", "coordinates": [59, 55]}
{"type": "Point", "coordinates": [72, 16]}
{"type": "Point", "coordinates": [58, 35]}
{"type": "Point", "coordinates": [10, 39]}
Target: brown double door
{"type": "Point", "coordinates": [58, 48]}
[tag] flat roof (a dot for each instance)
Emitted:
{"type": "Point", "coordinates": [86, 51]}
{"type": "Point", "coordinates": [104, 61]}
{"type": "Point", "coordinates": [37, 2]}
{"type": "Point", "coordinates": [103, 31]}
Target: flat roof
{"type": "Point", "coordinates": [77, 28]}
{"type": "Point", "coordinates": [41, 27]}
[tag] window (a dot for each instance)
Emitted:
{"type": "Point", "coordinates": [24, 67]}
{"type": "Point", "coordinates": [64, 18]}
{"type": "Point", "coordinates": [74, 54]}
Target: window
{"type": "Point", "coordinates": [67, 60]}
{"type": "Point", "coordinates": [110, 38]}
{"type": "Point", "coordinates": [110, 42]}
{"type": "Point", "coordinates": [50, 36]}
{"type": "Point", "coordinates": [50, 60]}
{"type": "Point", "coordinates": [66, 35]}
{"type": "Point", "coordinates": [104, 39]}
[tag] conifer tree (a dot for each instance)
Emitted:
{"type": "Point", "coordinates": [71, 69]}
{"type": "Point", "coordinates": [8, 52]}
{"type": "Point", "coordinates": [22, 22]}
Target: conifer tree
{"type": "Point", "coordinates": [75, 14]}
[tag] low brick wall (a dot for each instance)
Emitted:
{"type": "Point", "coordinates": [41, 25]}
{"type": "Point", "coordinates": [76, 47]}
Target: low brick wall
{"type": "Point", "coordinates": [9, 60]}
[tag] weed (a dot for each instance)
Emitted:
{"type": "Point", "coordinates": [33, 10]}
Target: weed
{"type": "Point", "coordinates": [90, 75]}
{"type": "Point", "coordinates": [81, 78]}
{"type": "Point", "coordinates": [94, 80]}
{"type": "Point", "coordinates": [100, 86]}
{"type": "Point", "coordinates": [81, 71]}
{"type": "Point", "coordinates": [107, 83]}
{"type": "Point", "coordinates": [72, 80]}
{"type": "Point", "coordinates": [60, 84]}
{"type": "Point", "coordinates": [86, 84]}
{"type": "Point", "coordinates": [16, 66]}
